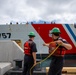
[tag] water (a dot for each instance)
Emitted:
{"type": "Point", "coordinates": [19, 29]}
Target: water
{"type": "Point", "coordinates": [67, 63]}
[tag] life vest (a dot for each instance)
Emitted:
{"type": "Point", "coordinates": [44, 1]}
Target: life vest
{"type": "Point", "coordinates": [59, 52]}
{"type": "Point", "coordinates": [27, 48]}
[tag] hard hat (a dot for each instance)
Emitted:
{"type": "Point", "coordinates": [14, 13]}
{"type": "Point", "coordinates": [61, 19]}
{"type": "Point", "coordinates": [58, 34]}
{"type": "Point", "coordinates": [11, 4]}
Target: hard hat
{"type": "Point", "coordinates": [32, 34]}
{"type": "Point", "coordinates": [55, 30]}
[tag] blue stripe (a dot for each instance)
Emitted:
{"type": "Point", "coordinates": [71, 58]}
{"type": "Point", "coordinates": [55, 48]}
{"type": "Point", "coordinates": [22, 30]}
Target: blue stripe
{"type": "Point", "coordinates": [71, 32]}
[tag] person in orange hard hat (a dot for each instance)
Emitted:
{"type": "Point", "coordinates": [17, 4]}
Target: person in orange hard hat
{"type": "Point", "coordinates": [30, 54]}
{"type": "Point", "coordinates": [56, 64]}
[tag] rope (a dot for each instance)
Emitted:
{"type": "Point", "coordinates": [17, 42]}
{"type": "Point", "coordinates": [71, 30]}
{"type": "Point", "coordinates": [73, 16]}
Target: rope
{"type": "Point", "coordinates": [45, 58]}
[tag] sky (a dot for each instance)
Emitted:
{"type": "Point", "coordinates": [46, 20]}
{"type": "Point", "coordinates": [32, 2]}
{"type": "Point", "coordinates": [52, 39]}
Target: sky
{"type": "Point", "coordinates": [60, 11]}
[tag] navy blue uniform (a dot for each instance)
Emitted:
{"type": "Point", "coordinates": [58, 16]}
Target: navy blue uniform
{"type": "Point", "coordinates": [28, 59]}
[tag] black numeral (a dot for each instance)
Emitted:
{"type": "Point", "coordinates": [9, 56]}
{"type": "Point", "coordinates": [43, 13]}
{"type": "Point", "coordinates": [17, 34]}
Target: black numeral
{"type": "Point", "coordinates": [5, 35]}
{"type": "Point", "coordinates": [9, 35]}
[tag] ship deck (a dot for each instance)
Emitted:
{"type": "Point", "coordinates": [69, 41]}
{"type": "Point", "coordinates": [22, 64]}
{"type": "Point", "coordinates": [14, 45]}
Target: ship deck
{"type": "Point", "coordinates": [69, 70]}
{"type": "Point", "coordinates": [42, 68]}
{"type": "Point", "coordinates": [42, 72]}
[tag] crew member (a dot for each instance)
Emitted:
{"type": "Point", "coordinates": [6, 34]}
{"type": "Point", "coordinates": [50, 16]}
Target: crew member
{"type": "Point", "coordinates": [30, 54]}
{"type": "Point", "coordinates": [56, 64]}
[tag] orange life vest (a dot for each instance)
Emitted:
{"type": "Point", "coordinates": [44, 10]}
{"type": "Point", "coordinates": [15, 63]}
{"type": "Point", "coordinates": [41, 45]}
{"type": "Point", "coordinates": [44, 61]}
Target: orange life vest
{"type": "Point", "coordinates": [27, 48]}
{"type": "Point", "coordinates": [59, 52]}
